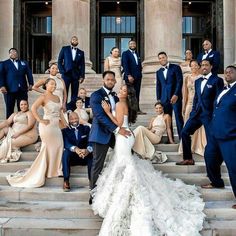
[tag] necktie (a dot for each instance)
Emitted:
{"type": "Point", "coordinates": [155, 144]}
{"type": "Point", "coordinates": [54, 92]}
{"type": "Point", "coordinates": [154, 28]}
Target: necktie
{"type": "Point", "coordinates": [76, 133]}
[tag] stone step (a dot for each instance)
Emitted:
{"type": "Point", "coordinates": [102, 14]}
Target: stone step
{"type": "Point", "coordinates": [49, 227]}
{"type": "Point", "coordinates": [81, 194]}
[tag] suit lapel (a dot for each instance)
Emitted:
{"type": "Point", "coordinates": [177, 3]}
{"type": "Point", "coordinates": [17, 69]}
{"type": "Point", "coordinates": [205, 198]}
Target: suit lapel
{"type": "Point", "coordinates": [227, 93]}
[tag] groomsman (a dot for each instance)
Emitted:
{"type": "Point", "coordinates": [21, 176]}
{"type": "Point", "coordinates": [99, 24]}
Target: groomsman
{"type": "Point", "coordinates": [132, 67]}
{"type": "Point", "coordinates": [206, 90]}
{"type": "Point", "coordinates": [169, 82]}
{"type": "Point", "coordinates": [77, 149]}
{"type": "Point", "coordinates": [16, 80]}
{"type": "Point", "coordinates": [209, 54]}
{"type": "Point", "coordinates": [71, 64]}
{"type": "Point", "coordinates": [221, 144]}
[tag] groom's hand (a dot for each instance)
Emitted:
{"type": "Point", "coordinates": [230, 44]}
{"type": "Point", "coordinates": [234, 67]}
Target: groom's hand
{"type": "Point", "coordinates": [124, 132]}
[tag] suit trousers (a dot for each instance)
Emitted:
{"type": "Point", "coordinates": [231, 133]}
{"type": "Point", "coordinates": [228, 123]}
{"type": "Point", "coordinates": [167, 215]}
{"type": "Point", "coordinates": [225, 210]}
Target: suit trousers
{"type": "Point", "coordinates": [12, 98]}
{"type": "Point", "coordinates": [71, 159]}
{"type": "Point", "coordinates": [177, 107]}
{"type": "Point", "coordinates": [192, 124]}
{"type": "Point", "coordinates": [99, 156]}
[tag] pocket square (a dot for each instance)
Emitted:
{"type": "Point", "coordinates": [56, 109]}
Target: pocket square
{"type": "Point", "coordinates": [83, 136]}
{"type": "Point", "coordinates": [212, 55]}
{"type": "Point", "coordinates": [209, 86]}
{"type": "Point", "coordinates": [106, 98]}
{"type": "Point", "coordinates": [22, 63]}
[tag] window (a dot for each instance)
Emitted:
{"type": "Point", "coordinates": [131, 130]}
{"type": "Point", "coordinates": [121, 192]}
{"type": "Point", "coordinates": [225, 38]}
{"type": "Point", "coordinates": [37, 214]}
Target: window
{"type": "Point", "coordinates": [41, 25]}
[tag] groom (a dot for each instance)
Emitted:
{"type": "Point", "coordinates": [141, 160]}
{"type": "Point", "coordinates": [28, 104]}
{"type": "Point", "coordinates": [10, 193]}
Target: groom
{"type": "Point", "coordinates": [103, 130]}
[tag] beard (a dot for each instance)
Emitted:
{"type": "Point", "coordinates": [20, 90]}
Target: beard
{"type": "Point", "coordinates": [74, 44]}
{"type": "Point", "coordinates": [108, 87]}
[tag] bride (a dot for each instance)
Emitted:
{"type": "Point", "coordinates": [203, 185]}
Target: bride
{"type": "Point", "coordinates": [136, 200]}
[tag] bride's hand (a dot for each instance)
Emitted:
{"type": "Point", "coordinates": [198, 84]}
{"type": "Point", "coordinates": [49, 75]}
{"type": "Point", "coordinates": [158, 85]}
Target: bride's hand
{"type": "Point", "coordinates": [106, 107]}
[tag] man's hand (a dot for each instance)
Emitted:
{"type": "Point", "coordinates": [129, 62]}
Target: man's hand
{"type": "Point", "coordinates": [131, 79]}
{"type": "Point", "coordinates": [124, 132]}
{"type": "Point", "coordinates": [174, 99]}
{"type": "Point", "coordinates": [81, 80]}
{"type": "Point", "coordinates": [3, 89]}
{"type": "Point", "coordinates": [30, 88]}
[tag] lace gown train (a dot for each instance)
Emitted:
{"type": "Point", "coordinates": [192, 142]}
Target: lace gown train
{"type": "Point", "coordinates": [136, 200]}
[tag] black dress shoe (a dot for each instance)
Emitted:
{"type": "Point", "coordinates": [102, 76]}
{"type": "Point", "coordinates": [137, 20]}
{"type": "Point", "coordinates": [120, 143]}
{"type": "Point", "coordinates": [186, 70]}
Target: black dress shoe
{"type": "Point", "coordinates": [211, 186]}
{"type": "Point", "coordinates": [185, 162]}
{"type": "Point", "coordinates": [90, 200]}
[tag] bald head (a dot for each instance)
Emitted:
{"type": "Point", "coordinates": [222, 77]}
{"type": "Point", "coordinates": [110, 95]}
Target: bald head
{"type": "Point", "coordinates": [73, 119]}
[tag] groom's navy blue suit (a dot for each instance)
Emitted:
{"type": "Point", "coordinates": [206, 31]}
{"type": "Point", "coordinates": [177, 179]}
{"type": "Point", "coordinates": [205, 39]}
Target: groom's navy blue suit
{"type": "Point", "coordinates": [201, 113]}
{"type": "Point", "coordinates": [71, 158]}
{"type": "Point", "coordinates": [102, 133]}
{"type": "Point", "coordinates": [166, 88]}
{"type": "Point", "coordinates": [222, 141]}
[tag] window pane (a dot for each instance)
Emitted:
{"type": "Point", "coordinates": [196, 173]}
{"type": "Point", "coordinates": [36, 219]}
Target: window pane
{"type": "Point", "coordinates": [108, 44]}
{"type": "Point", "coordinates": [132, 30]}
{"type": "Point", "coordinates": [49, 25]}
{"type": "Point", "coordinates": [124, 44]}
{"type": "Point", "coordinates": [123, 24]}
{"type": "Point", "coordinates": [103, 26]}
{"type": "Point", "coordinates": [113, 24]}
{"type": "Point", "coordinates": [128, 24]}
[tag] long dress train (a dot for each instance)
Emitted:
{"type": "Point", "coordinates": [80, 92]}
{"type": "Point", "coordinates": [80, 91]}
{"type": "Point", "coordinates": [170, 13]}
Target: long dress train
{"type": "Point", "coordinates": [48, 162]}
{"type": "Point", "coordinates": [136, 200]}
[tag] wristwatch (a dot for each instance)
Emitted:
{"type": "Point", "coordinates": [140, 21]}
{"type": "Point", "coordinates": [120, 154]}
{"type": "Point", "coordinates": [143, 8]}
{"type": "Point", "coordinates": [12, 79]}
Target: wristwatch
{"type": "Point", "coordinates": [90, 149]}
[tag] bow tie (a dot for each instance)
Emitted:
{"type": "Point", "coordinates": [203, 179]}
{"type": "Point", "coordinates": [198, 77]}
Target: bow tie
{"type": "Point", "coordinates": [14, 60]}
{"type": "Point", "coordinates": [75, 128]}
{"type": "Point", "coordinates": [204, 78]}
{"type": "Point", "coordinates": [165, 67]}
{"type": "Point", "coordinates": [112, 93]}
{"type": "Point", "coordinates": [73, 48]}
{"type": "Point", "coordinates": [228, 86]}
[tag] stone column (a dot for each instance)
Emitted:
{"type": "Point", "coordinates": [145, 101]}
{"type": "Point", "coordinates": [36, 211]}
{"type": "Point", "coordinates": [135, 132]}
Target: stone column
{"type": "Point", "coordinates": [229, 32]}
{"type": "Point", "coordinates": [71, 18]}
{"type": "Point", "coordinates": [6, 27]}
{"type": "Point", "coordinates": [163, 32]}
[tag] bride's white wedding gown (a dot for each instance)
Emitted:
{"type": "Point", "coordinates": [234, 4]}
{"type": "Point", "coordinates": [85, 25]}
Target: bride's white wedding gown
{"type": "Point", "coordinates": [136, 200]}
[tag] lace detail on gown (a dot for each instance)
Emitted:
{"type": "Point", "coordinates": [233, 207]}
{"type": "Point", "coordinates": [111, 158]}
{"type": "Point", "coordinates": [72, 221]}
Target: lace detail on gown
{"type": "Point", "coordinates": [136, 200]}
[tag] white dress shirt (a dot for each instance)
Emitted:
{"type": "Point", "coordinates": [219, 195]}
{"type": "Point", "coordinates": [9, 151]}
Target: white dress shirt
{"type": "Point", "coordinates": [73, 51]}
{"type": "Point", "coordinates": [112, 100]}
{"type": "Point", "coordinates": [135, 56]}
{"type": "Point", "coordinates": [15, 62]}
{"type": "Point", "coordinates": [203, 84]}
{"type": "Point", "coordinates": [165, 69]}
{"type": "Point", "coordinates": [206, 54]}
{"type": "Point", "coordinates": [225, 91]}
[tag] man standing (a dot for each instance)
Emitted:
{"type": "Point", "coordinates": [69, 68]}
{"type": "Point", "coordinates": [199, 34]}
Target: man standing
{"type": "Point", "coordinates": [209, 54]}
{"type": "Point", "coordinates": [77, 149]}
{"type": "Point", "coordinates": [132, 67]}
{"type": "Point", "coordinates": [16, 80]}
{"type": "Point", "coordinates": [169, 81]}
{"type": "Point", "coordinates": [206, 90]}
{"type": "Point", "coordinates": [222, 141]}
{"type": "Point", "coordinates": [103, 130]}
{"type": "Point", "coordinates": [71, 65]}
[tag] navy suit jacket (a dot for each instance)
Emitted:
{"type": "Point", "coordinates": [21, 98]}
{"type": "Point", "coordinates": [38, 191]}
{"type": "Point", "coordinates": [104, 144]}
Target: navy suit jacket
{"type": "Point", "coordinates": [223, 123]}
{"type": "Point", "coordinates": [203, 103]}
{"type": "Point", "coordinates": [172, 85]}
{"type": "Point", "coordinates": [15, 79]}
{"type": "Point", "coordinates": [66, 63]}
{"type": "Point", "coordinates": [130, 67]}
{"type": "Point", "coordinates": [214, 57]}
{"type": "Point", "coordinates": [70, 139]}
{"type": "Point", "coordinates": [102, 126]}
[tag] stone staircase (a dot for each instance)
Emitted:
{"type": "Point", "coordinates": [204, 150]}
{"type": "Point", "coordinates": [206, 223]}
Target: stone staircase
{"type": "Point", "coordinates": [48, 211]}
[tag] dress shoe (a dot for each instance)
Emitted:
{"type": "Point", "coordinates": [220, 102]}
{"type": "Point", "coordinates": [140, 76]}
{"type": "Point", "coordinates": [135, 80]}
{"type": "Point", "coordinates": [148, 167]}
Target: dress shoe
{"type": "Point", "coordinates": [185, 162]}
{"type": "Point", "coordinates": [141, 113]}
{"type": "Point", "coordinates": [210, 186]}
{"type": "Point", "coordinates": [66, 186]}
{"type": "Point", "coordinates": [234, 206]}
{"type": "Point", "coordinates": [90, 200]}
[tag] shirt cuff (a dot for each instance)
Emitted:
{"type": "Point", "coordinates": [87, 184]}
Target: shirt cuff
{"type": "Point", "coordinates": [72, 149]}
{"type": "Point", "coordinates": [90, 149]}
{"type": "Point", "coordinates": [116, 130]}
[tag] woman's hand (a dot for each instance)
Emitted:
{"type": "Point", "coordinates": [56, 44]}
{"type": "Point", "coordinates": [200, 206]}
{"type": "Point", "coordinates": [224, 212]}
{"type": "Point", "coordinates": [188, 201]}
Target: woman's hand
{"type": "Point", "coordinates": [106, 107]}
{"type": "Point", "coordinates": [15, 135]}
{"type": "Point", "coordinates": [44, 121]}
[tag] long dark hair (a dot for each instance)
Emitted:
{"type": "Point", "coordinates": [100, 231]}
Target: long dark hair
{"type": "Point", "coordinates": [132, 104]}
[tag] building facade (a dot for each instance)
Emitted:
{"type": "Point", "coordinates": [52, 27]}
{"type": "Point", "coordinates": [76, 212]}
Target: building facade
{"type": "Point", "coordinates": [39, 28]}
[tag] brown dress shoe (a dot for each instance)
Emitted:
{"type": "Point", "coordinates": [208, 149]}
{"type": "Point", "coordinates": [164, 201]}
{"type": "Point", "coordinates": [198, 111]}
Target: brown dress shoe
{"type": "Point", "coordinates": [210, 186]}
{"type": "Point", "coordinates": [185, 162]}
{"type": "Point", "coordinates": [234, 206]}
{"type": "Point", "coordinates": [66, 186]}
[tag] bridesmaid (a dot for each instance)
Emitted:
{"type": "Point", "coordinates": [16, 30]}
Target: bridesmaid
{"type": "Point", "coordinates": [17, 131]}
{"type": "Point", "coordinates": [185, 65]}
{"type": "Point", "coordinates": [60, 90]}
{"type": "Point", "coordinates": [113, 63]}
{"type": "Point", "coordinates": [199, 137]}
{"type": "Point", "coordinates": [83, 115]}
{"type": "Point", "coordinates": [48, 162]}
{"type": "Point", "coordinates": [146, 137]}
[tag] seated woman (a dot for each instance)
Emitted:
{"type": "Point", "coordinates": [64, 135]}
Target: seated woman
{"type": "Point", "coordinates": [17, 131]}
{"type": "Point", "coordinates": [86, 103]}
{"type": "Point", "coordinates": [83, 115]}
{"type": "Point", "coordinates": [146, 137]}
{"type": "Point", "coordinates": [48, 162]}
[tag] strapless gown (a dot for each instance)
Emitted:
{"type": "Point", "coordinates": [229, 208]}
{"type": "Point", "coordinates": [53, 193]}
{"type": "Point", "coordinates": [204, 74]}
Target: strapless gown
{"type": "Point", "coordinates": [136, 200]}
{"type": "Point", "coordinates": [48, 162]}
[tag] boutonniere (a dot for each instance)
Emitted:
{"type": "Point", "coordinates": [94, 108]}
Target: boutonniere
{"type": "Point", "coordinates": [106, 98]}
{"type": "Point", "coordinates": [209, 86]}
{"type": "Point", "coordinates": [235, 94]}
{"type": "Point", "coordinates": [211, 55]}
{"type": "Point", "coordinates": [22, 63]}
